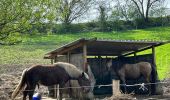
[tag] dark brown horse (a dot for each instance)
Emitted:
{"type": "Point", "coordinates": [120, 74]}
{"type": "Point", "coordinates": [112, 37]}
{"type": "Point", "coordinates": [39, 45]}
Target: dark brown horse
{"type": "Point", "coordinates": [132, 71]}
{"type": "Point", "coordinates": [48, 75]}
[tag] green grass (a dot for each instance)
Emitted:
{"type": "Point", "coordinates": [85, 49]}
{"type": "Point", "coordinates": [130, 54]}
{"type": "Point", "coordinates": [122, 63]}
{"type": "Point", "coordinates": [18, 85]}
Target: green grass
{"type": "Point", "coordinates": [33, 48]}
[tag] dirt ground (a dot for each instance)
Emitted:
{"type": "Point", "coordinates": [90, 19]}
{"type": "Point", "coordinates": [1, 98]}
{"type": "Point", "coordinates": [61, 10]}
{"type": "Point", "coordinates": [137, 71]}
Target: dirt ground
{"type": "Point", "coordinates": [10, 78]}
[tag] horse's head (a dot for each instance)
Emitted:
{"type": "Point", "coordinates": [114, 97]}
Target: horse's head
{"type": "Point", "coordinates": [84, 81]}
{"type": "Point", "coordinates": [109, 64]}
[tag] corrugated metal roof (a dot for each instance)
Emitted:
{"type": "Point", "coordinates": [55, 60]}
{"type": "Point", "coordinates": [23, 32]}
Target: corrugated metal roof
{"type": "Point", "coordinates": [104, 47]}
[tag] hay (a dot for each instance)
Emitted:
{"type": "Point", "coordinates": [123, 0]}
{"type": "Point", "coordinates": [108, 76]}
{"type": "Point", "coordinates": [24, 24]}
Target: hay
{"type": "Point", "coordinates": [122, 97]}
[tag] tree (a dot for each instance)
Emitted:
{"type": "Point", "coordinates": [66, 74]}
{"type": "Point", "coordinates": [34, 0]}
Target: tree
{"type": "Point", "coordinates": [144, 7]}
{"type": "Point", "coordinates": [132, 9]}
{"type": "Point", "coordinates": [70, 10]}
{"type": "Point", "coordinates": [124, 9]}
{"type": "Point", "coordinates": [17, 16]}
{"type": "Point", "coordinates": [103, 16]}
{"type": "Point", "coordinates": [103, 7]}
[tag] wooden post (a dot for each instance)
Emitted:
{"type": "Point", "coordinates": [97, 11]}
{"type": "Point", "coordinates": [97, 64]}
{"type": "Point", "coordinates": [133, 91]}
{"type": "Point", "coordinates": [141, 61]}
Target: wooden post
{"type": "Point", "coordinates": [50, 88]}
{"type": "Point", "coordinates": [116, 87]}
{"type": "Point", "coordinates": [55, 59]}
{"type": "Point", "coordinates": [153, 56]}
{"type": "Point", "coordinates": [154, 73]}
{"type": "Point", "coordinates": [69, 82]}
{"type": "Point", "coordinates": [55, 91]}
{"type": "Point", "coordinates": [68, 57]}
{"type": "Point", "coordinates": [55, 86]}
{"type": "Point", "coordinates": [135, 56]}
{"type": "Point", "coordinates": [84, 56]}
{"type": "Point", "coordinates": [52, 61]}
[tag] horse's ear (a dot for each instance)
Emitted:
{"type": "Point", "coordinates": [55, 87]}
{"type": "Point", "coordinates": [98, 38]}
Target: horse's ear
{"type": "Point", "coordinates": [109, 63]}
{"type": "Point", "coordinates": [85, 75]}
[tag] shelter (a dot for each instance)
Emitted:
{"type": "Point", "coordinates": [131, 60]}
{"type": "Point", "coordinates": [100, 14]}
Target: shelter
{"type": "Point", "coordinates": [97, 51]}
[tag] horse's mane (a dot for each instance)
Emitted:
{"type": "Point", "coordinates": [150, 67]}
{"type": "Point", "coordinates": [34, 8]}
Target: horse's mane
{"type": "Point", "coordinates": [71, 69]}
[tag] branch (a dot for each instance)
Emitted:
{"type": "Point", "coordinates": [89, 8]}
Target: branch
{"type": "Point", "coordinates": [142, 14]}
{"type": "Point", "coordinates": [152, 3]}
{"type": "Point", "coordinates": [82, 9]}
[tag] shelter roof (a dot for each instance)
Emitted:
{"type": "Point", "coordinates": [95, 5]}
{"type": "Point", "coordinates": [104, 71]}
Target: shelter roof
{"type": "Point", "coordinates": [96, 47]}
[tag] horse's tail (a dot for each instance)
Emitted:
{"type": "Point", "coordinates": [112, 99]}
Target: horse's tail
{"type": "Point", "coordinates": [20, 86]}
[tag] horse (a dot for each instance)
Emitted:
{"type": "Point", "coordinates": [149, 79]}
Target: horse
{"type": "Point", "coordinates": [48, 75]}
{"type": "Point", "coordinates": [77, 93]}
{"type": "Point", "coordinates": [91, 76]}
{"type": "Point", "coordinates": [132, 71]}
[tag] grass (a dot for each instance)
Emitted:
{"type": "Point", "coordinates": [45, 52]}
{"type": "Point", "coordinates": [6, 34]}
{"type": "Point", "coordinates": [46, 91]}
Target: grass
{"type": "Point", "coordinates": [33, 48]}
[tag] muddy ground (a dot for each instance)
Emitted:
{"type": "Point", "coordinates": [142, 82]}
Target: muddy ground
{"type": "Point", "coordinates": [10, 78]}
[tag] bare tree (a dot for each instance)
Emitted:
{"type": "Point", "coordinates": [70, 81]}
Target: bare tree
{"type": "Point", "coordinates": [103, 15]}
{"type": "Point", "coordinates": [103, 7]}
{"type": "Point", "coordinates": [144, 7]}
{"type": "Point", "coordinates": [124, 9]}
{"type": "Point", "coordinates": [159, 10]}
{"type": "Point", "coordinates": [131, 9]}
{"type": "Point", "coordinates": [69, 10]}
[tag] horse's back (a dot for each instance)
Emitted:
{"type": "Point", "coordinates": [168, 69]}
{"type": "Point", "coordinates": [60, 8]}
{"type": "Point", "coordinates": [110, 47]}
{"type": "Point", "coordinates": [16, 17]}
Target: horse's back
{"type": "Point", "coordinates": [145, 68]}
{"type": "Point", "coordinates": [47, 74]}
{"type": "Point", "coordinates": [135, 70]}
{"type": "Point", "coordinates": [131, 71]}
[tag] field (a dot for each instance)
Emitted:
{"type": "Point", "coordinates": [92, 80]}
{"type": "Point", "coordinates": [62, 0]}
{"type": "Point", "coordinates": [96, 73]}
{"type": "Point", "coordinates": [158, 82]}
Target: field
{"type": "Point", "coordinates": [14, 58]}
{"type": "Point", "coordinates": [33, 48]}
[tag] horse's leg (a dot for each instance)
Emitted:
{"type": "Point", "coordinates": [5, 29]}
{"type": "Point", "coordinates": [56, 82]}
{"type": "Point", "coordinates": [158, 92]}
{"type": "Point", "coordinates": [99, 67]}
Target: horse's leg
{"type": "Point", "coordinates": [25, 92]}
{"type": "Point", "coordinates": [60, 91]}
{"type": "Point", "coordinates": [124, 83]}
{"type": "Point", "coordinates": [148, 81]}
{"type": "Point", "coordinates": [31, 92]}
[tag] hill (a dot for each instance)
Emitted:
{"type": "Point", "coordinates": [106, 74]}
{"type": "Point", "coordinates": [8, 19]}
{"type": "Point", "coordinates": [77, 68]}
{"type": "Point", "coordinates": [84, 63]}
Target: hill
{"type": "Point", "coordinates": [33, 48]}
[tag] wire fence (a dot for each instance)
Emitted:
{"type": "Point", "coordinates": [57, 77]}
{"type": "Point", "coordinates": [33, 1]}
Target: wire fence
{"type": "Point", "coordinates": [142, 86]}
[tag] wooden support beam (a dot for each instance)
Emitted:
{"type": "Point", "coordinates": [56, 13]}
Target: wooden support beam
{"type": "Point", "coordinates": [153, 56]}
{"type": "Point", "coordinates": [84, 56]}
{"type": "Point", "coordinates": [55, 59]}
{"type": "Point", "coordinates": [150, 47]}
{"type": "Point", "coordinates": [55, 86]}
{"type": "Point", "coordinates": [52, 61]}
{"type": "Point", "coordinates": [68, 57]}
{"type": "Point", "coordinates": [116, 87]}
{"type": "Point", "coordinates": [135, 56]}
{"type": "Point", "coordinates": [70, 47]}
{"type": "Point", "coordinates": [55, 91]}
{"type": "Point", "coordinates": [154, 73]}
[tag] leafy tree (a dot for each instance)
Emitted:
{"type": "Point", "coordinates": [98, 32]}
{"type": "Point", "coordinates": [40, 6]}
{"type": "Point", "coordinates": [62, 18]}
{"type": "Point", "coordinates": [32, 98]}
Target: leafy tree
{"type": "Point", "coordinates": [18, 16]}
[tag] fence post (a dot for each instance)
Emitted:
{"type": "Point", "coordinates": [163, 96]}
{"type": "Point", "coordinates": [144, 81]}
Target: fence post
{"type": "Point", "coordinates": [55, 91]}
{"type": "Point", "coordinates": [116, 87]}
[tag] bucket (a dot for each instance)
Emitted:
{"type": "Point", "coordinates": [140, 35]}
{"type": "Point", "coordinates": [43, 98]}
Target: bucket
{"type": "Point", "coordinates": [36, 96]}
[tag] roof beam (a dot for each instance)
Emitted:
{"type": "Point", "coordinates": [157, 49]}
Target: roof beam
{"type": "Point", "coordinates": [70, 47]}
{"type": "Point", "coordinates": [146, 48]}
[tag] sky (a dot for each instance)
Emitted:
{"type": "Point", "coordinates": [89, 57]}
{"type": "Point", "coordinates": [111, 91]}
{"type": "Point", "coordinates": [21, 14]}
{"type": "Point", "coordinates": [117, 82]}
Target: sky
{"type": "Point", "coordinates": [168, 3]}
{"type": "Point", "coordinates": [93, 13]}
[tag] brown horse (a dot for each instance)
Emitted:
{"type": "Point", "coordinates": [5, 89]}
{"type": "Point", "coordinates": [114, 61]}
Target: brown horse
{"type": "Point", "coordinates": [132, 71]}
{"type": "Point", "coordinates": [58, 73]}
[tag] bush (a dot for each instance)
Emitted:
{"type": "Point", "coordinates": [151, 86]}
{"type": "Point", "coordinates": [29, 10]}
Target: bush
{"type": "Point", "coordinates": [153, 22]}
{"type": "Point", "coordinates": [118, 25]}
